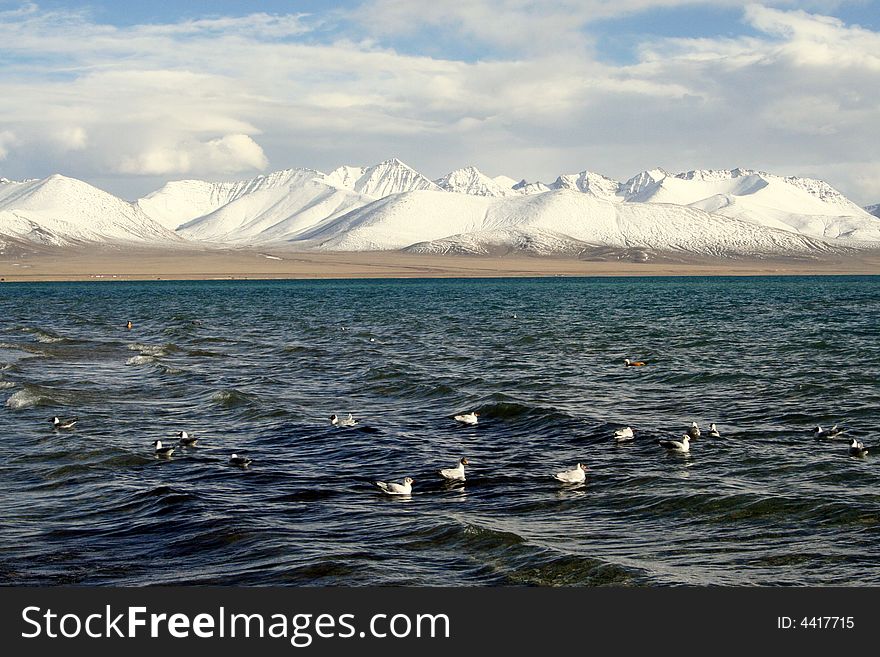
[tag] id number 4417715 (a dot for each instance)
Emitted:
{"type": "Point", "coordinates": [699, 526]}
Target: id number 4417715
{"type": "Point", "coordinates": [815, 622]}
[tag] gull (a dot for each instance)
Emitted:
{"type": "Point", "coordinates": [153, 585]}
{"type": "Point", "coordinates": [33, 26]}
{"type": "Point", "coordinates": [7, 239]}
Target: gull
{"type": "Point", "coordinates": [186, 440]}
{"type": "Point", "coordinates": [63, 423]}
{"type": "Point", "coordinates": [827, 433]}
{"type": "Point", "coordinates": [467, 418]}
{"type": "Point", "coordinates": [713, 431]}
{"type": "Point", "coordinates": [162, 451]}
{"type": "Point", "coordinates": [857, 448]}
{"type": "Point", "coordinates": [624, 434]}
{"type": "Point", "coordinates": [241, 461]}
{"type": "Point", "coordinates": [634, 363]}
{"type": "Point", "coordinates": [693, 431]}
{"type": "Point", "coordinates": [682, 445]}
{"type": "Point", "coordinates": [456, 473]}
{"type": "Point", "coordinates": [346, 422]}
{"type": "Point", "coordinates": [575, 476]}
{"type": "Point", "coordinates": [396, 489]}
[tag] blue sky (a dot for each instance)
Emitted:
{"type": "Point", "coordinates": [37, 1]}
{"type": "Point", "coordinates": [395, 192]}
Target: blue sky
{"type": "Point", "coordinates": [129, 95]}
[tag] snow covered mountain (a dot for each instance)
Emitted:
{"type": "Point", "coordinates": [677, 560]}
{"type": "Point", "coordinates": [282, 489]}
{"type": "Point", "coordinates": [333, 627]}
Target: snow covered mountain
{"type": "Point", "coordinates": [392, 206]}
{"type": "Point", "coordinates": [558, 221]}
{"type": "Point", "coordinates": [388, 177]}
{"type": "Point", "coordinates": [276, 211]}
{"type": "Point", "coordinates": [803, 205]}
{"type": "Point", "coordinates": [471, 180]}
{"type": "Point", "coordinates": [63, 211]}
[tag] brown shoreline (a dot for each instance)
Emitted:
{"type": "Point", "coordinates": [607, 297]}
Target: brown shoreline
{"type": "Point", "coordinates": [208, 264]}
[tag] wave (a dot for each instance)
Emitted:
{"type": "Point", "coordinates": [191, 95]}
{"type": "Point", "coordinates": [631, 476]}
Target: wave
{"type": "Point", "coordinates": [140, 359]}
{"type": "Point", "coordinates": [5, 385]}
{"type": "Point", "coordinates": [45, 336]}
{"type": "Point", "coordinates": [156, 350]}
{"type": "Point", "coordinates": [29, 397]}
{"type": "Point", "coordinates": [231, 398]}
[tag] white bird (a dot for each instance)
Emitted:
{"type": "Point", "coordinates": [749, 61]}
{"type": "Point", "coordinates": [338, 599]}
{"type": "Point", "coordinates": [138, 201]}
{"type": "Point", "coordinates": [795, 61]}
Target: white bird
{"type": "Point", "coordinates": [63, 423]}
{"type": "Point", "coordinates": [162, 451]}
{"type": "Point", "coordinates": [241, 461]}
{"type": "Point", "coordinates": [343, 422]}
{"type": "Point", "coordinates": [857, 448]}
{"type": "Point", "coordinates": [693, 431]}
{"type": "Point", "coordinates": [456, 473]}
{"type": "Point", "coordinates": [713, 431]}
{"type": "Point", "coordinates": [682, 445]}
{"type": "Point", "coordinates": [397, 489]}
{"type": "Point", "coordinates": [624, 434]}
{"type": "Point", "coordinates": [467, 418]}
{"type": "Point", "coordinates": [186, 440]}
{"type": "Point", "coordinates": [575, 476]}
{"type": "Point", "coordinates": [827, 433]}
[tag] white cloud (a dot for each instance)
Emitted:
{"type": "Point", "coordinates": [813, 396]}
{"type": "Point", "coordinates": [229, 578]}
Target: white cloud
{"type": "Point", "coordinates": [225, 155]}
{"type": "Point", "coordinates": [72, 138]}
{"type": "Point", "coordinates": [215, 97]}
{"type": "Point", "coordinates": [7, 139]}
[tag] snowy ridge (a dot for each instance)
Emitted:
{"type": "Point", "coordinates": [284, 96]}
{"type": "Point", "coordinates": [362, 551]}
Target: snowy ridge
{"type": "Point", "coordinates": [275, 212]}
{"type": "Point", "coordinates": [589, 183]}
{"type": "Point", "coordinates": [560, 221]}
{"type": "Point", "coordinates": [62, 211]}
{"type": "Point", "coordinates": [471, 180]}
{"type": "Point", "coordinates": [390, 206]}
{"type": "Point", "coordinates": [181, 201]}
{"type": "Point", "coordinates": [388, 177]}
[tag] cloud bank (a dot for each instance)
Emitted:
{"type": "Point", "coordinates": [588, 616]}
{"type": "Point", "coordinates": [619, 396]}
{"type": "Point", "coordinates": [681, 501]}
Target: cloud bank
{"type": "Point", "coordinates": [514, 87]}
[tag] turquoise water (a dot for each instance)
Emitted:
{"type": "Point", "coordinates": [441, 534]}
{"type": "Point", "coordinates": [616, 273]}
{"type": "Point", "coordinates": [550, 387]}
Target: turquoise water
{"type": "Point", "coordinates": [257, 367]}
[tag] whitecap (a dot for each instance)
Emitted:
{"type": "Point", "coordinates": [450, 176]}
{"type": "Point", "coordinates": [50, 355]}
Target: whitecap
{"type": "Point", "coordinates": [23, 399]}
{"type": "Point", "coordinates": [148, 349]}
{"type": "Point", "coordinates": [140, 359]}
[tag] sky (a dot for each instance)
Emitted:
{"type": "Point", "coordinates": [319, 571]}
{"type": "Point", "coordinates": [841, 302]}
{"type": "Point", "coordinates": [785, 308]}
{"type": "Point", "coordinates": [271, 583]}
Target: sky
{"type": "Point", "coordinates": [130, 95]}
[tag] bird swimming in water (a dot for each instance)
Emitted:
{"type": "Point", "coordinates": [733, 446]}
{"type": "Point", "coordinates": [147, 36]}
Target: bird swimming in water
{"type": "Point", "coordinates": [713, 431]}
{"type": "Point", "coordinates": [339, 422]}
{"type": "Point", "coordinates": [857, 448]}
{"type": "Point", "coordinates": [240, 461]}
{"type": "Point", "coordinates": [186, 440]}
{"type": "Point", "coordinates": [634, 363]}
{"type": "Point", "coordinates": [693, 431]}
{"type": "Point", "coordinates": [397, 489]}
{"type": "Point", "coordinates": [819, 432]}
{"type": "Point", "coordinates": [63, 423]}
{"type": "Point", "coordinates": [467, 418]}
{"type": "Point", "coordinates": [575, 476]}
{"type": "Point", "coordinates": [162, 450]}
{"type": "Point", "coordinates": [456, 473]}
{"type": "Point", "coordinates": [624, 434]}
{"type": "Point", "coordinates": [129, 325]}
{"type": "Point", "coordinates": [682, 445]}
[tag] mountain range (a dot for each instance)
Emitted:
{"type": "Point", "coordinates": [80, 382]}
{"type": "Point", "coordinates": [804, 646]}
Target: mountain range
{"type": "Point", "coordinates": [390, 206]}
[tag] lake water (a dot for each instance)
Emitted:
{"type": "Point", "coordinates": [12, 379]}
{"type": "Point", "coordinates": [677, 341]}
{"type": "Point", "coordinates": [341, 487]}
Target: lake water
{"type": "Point", "coordinates": [257, 368]}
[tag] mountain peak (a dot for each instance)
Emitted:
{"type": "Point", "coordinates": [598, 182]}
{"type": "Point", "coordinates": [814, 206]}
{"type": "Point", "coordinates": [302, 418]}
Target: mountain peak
{"type": "Point", "coordinates": [470, 180]}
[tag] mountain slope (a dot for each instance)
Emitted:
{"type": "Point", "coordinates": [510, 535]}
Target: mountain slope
{"type": "Point", "coordinates": [62, 211]}
{"type": "Point", "coordinates": [803, 205]}
{"type": "Point", "coordinates": [181, 201]}
{"type": "Point", "coordinates": [556, 221]}
{"type": "Point", "coordinates": [274, 213]}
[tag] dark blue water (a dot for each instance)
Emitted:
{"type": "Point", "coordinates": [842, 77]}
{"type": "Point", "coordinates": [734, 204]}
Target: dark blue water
{"type": "Point", "coordinates": [265, 363]}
